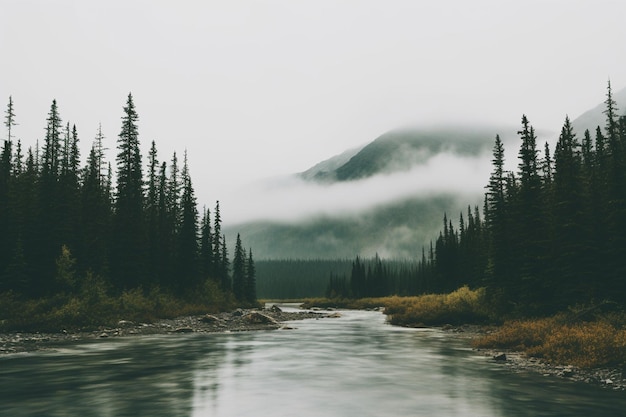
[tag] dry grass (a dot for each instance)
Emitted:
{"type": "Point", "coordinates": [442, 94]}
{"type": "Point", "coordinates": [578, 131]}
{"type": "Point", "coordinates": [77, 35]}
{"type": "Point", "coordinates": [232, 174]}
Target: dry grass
{"type": "Point", "coordinates": [92, 307]}
{"type": "Point", "coordinates": [556, 340]}
{"type": "Point", "coordinates": [459, 307]}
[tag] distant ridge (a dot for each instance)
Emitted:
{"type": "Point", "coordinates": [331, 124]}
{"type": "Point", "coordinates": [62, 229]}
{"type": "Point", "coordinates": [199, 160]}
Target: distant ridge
{"type": "Point", "coordinates": [595, 117]}
{"type": "Point", "coordinates": [400, 150]}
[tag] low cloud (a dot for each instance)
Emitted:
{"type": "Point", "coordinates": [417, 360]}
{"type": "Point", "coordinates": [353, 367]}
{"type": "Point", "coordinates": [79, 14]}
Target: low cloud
{"type": "Point", "coordinates": [292, 199]}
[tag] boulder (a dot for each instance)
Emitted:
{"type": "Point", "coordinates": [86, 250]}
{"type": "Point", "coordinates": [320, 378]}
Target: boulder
{"type": "Point", "coordinates": [183, 330]}
{"type": "Point", "coordinates": [259, 318]}
{"type": "Point", "coordinates": [500, 357]}
{"type": "Point", "coordinates": [276, 309]}
{"type": "Point", "coordinates": [238, 313]}
{"type": "Point", "coordinates": [209, 319]}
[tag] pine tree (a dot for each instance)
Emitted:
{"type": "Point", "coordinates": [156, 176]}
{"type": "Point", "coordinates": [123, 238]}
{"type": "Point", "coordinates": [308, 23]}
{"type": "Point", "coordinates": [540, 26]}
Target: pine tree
{"type": "Point", "coordinates": [6, 242]}
{"type": "Point", "coordinates": [95, 218]}
{"type": "Point", "coordinates": [239, 272]}
{"type": "Point", "coordinates": [128, 250]}
{"type": "Point", "coordinates": [48, 240]}
{"type": "Point", "coordinates": [250, 283]}
{"type": "Point", "coordinates": [166, 233]}
{"type": "Point", "coordinates": [207, 267]}
{"type": "Point", "coordinates": [152, 215]}
{"type": "Point", "coordinates": [225, 266]}
{"type": "Point", "coordinates": [188, 265]}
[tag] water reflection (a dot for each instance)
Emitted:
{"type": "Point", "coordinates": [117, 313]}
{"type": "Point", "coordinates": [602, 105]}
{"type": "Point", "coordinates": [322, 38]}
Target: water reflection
{"type": "Point", "coordinates": [356, 365]}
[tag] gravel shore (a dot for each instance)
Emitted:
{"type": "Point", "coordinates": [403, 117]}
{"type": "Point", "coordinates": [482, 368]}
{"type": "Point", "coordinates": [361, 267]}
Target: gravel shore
{"type": "Point", "coordinates": [610, 378]}
{"type": "Point", "coordinates": [235, 321]}
{"type": "Point", "coordinates": [275, 319]}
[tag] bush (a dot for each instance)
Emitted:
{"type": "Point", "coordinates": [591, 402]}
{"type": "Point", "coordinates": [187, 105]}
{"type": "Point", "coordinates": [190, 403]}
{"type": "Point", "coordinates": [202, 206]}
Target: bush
{"type": "Point", "coordinates": [92, 307]}
{"type": "Point", "coordinates": [462, 306]}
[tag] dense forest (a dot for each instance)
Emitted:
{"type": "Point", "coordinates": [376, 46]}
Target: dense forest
{"type": "Point", "coordinates": [63, 224]}
{"type": "Point", "coordinates": [552, 233]}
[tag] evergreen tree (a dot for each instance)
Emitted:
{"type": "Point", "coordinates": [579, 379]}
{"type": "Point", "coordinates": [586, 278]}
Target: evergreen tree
{"type": "Point", "coordinates": [166, 233]}
{"type": "Point", "coordinates": [95, 218]}
{"type": "Point", "coordinates": [239, 272]}
{"type": "Point", "coordinates": [188, 266]}
{"type": "Point", "coordinates": [152, 214]}
{"type": "Point", "coordinates": [128, 250]}
{"type": "Point", "coordinates": [207, 267]}
{"type": "Point", "coordinates": [48, 240]}
{"type": "Point", "coordinates": [224, 266]}
{"type": "Point", "coordinates": [250, 283]}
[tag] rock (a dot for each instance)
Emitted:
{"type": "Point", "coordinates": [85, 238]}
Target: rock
{"type": "Point", "coordinates": [238, 313]}
{"type": "Point", "coordinates": [259, 318]}
{"type": "Point", "coordinates": [209, 319]}
{"type": "Point", "coordinates": [183, 330]}
{"type": "Point", "coordinates": [103, 335]}
{"type": "Point", "coordinates": [287, 328]}
{"type": "Point", "coordinates": [500, 357]}
{"type": "Point", "coordinates": [334, 316]}
{"type": "Point", "coordinates": [125, 323]}
{"type": "Point", "coordinates": [276, 309]}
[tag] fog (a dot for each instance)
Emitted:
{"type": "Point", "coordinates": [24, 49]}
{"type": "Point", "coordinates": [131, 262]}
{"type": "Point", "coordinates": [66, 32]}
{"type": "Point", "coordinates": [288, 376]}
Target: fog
{"type": "Point", "coordinates": [293, 199]}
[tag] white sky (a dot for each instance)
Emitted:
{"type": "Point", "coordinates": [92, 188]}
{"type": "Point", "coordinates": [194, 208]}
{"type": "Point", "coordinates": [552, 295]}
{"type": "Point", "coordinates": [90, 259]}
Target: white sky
{"type": "Point", "coordinates": [261, 88]}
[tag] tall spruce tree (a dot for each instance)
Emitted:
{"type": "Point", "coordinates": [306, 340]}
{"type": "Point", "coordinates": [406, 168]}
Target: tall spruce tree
{"type": "Point", "coordinates": [250, 282]}
{"type": "Point", "coordinates": [239, 271]}
{"type": "Point", "coordinates": [152, 215]}
{"type": "Point", "coordinates": [207, 267]}
{"type": "Point", "coordinates": [128, 247]}
{"type": "Point", "coordinates": [188, 251]}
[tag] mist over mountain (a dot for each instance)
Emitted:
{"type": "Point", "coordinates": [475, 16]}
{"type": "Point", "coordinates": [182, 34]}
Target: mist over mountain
{"type": "Point", "coordinates": [401, 150]}
{"type": "Point", "coordinates": [387, 196]}
{"type": "Point", "coordinates": [395, 230]}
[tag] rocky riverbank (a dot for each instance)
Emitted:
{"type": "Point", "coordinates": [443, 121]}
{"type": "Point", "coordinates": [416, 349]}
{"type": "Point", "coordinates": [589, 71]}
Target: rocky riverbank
{"type": "Point", "coordinates": [611, 378]}
{"type": "Point", "coordinates": [236, 321]}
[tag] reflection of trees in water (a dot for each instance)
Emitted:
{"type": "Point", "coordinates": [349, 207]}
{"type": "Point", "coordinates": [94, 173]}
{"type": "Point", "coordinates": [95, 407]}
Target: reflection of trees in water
{"type": "Point", "coordinates": [150, 376]}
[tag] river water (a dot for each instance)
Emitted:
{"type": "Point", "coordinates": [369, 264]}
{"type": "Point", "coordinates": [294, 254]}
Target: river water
{"type": "Point", "coordinates": [355, 365]}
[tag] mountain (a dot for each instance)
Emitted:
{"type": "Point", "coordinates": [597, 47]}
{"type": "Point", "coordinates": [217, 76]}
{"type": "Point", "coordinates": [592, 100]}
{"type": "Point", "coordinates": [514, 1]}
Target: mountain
{"type": "Point", "coordinates": [323, 171]}
{"type": "Point", "coordinates": [435, 168]}
{"type": "Point", "coordinates": [400, 180]}
{"type": "Point", "coordinates": [595, 117]}
{"type": "Point", "coordinates": [401, 150]}
{"type": "Point", "coordinates": [397, 230]}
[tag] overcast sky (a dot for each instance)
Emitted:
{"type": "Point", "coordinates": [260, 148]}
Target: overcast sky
{"type": "Point", "coordinates": [257, 89]}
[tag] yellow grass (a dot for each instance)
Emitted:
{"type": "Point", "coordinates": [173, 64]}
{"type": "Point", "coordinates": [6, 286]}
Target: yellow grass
{"type": "Point", "coordinates": [584, 344]}
{"type": "Point", "coordinates": [459, 307]}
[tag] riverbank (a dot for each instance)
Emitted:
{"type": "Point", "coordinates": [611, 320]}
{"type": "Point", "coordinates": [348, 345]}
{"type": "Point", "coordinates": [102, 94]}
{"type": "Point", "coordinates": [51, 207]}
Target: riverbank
{"type": "Point", "coordinates": [239, 320]}
{"type": "Point", "coordinates": [518, 362]}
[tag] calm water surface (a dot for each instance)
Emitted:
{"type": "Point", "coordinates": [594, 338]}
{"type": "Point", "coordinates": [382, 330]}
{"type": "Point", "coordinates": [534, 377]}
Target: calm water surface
{"type": "Point", "coordinates": [352, 366]}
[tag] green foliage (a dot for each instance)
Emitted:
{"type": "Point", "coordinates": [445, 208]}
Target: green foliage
{"type": "Point", "coordinates": [66, 269]}
{"type": "Point", "coordinates": [134, 249]}
{"type": "Point", "coordinates": [92, 306]}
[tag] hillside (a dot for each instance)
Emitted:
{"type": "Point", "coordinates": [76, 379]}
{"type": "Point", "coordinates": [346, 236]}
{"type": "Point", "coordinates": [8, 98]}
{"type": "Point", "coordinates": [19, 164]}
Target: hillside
{"type": "Point", "coordinates": [401, 150]}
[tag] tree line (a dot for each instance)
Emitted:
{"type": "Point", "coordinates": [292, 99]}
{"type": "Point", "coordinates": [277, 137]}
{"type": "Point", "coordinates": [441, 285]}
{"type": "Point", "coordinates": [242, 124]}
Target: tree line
{"type": "Point", "coordinates": [143, 232]}
{"type": "Point", "coordinates": [552, 233]}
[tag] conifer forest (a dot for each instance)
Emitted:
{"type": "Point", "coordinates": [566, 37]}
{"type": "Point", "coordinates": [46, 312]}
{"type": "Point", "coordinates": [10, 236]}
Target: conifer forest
{"type": "Point", "coordinates": [133, 225]}
{"type": "Point", "coordinates": [551, 234]}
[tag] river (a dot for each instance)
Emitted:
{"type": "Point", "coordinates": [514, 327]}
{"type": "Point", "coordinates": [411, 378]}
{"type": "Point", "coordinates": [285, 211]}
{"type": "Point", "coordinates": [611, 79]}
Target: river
{"type": "Point", "coordinates": [356, 365]}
